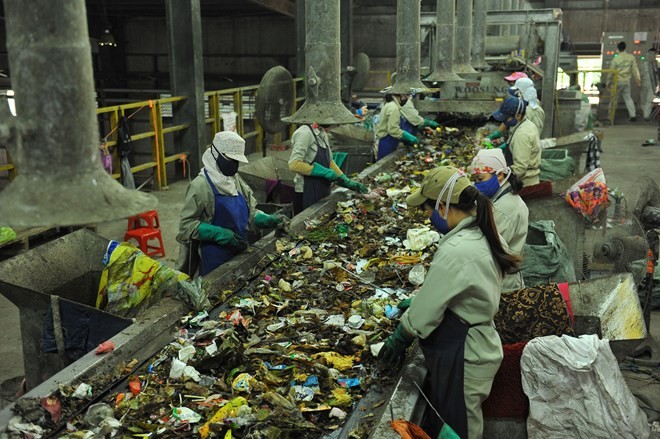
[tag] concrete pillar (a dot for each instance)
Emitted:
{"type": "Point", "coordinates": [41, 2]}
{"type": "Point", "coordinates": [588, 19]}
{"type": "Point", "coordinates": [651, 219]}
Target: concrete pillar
{"type": "Point", "coordinates": [300, 37]}
{"type": "Point", "coordinates": [55, 134]}
{"type": "Point", "coordinates": [445, 40]}
{"type": "Point", "coordinates": [493, 5]}
{"type": "Point", "coordinates": [506, 6]}
{"type": "Point", "coordinates": [184, 35]}
{"type": "Point", "coordinates": [479, 36]}
{"type": "Point", "coordinates": [407, 46]}
{"type": "Point", "coordinates": [463, 48]}
{"type": "Point", "coordinates": [552, 41]}
{"type": "Point", "coordinates": [346, 42]}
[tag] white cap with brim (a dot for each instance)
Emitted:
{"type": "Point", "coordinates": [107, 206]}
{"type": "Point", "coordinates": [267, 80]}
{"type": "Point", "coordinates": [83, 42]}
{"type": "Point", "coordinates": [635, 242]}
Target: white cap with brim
{"type": "Point", "coordinates": [231, 145]}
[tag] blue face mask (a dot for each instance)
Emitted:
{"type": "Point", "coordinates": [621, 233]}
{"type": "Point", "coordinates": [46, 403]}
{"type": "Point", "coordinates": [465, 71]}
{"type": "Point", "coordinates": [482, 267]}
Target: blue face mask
{"type": "Point", "coordinates": [489, 187]}
{"type": "Point", "coordinates": [511, 122]}
{"type": "Point", "coordinates": [439, 223]}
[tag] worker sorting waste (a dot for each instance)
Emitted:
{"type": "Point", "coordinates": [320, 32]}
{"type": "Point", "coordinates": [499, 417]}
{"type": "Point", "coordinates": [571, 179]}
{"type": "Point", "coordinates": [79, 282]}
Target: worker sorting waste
{"type": "Point", "coordinates": [311, 160]}
{"type": "Point", "coordinates": [388, 132]}
{"type": "Point", "coordinates": [218, 209]}
{"type": "Point", "coordinates": [411, 121]}
{"type": "Point", "coordinates": [452, 313]}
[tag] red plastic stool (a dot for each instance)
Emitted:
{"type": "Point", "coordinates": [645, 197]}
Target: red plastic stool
{"type": "Point", "coordinates": [142, 236]}
{"type": "Point", "coordinates": [150, 217]}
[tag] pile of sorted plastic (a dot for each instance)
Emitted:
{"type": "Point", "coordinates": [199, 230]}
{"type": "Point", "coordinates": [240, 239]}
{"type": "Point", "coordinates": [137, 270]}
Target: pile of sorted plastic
{"type": "Point", "coordinates": [293, 352]}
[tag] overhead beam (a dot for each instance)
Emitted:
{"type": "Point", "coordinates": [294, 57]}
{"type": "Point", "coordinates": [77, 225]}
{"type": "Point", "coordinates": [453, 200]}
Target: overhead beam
{"type": "Point", "coordinates": [284, 7]}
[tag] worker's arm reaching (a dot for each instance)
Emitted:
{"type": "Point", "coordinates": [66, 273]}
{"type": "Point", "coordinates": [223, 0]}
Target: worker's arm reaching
{"type": "Point", "coordinates": [219, 235]}
{"type": "Point", "coordinates": [431, 123]}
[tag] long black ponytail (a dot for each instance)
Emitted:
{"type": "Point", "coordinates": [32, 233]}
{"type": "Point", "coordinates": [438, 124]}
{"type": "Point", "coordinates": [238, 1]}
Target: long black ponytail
{"type": "Point", "coordinates": [485, 220]}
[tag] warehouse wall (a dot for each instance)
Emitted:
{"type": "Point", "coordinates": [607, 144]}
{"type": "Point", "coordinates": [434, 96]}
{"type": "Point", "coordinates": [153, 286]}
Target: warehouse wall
{"type": "Point", "coordinates": [598, 21]}
{"type": "Point", "coordinates": [238, 50]}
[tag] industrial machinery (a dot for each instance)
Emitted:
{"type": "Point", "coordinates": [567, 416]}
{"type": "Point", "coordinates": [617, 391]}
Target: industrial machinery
{"type": "Point", "coordinates": [536, 50]}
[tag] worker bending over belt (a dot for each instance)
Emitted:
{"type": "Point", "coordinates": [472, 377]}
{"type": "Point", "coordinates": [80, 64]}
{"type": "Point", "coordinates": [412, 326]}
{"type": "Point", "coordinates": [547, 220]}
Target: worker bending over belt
{"type": "Point", "coordinates": [452, 314]}
{"type": "Point", "coordinates": [311, 160]}
{"type": "Point", "coordinates": [388, 131]}
{"type": "Point", "coordinates": [218, 208]}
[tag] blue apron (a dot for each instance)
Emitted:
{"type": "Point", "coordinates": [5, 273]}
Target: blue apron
{"type": "Point", "coordinates": [407, 126]}
{"type": "Point", "coordinates": [386, 146]}
{"type": "Point", "coordinates": [315, 188]}
{"type": "Point", "coordinates": [231, 213]}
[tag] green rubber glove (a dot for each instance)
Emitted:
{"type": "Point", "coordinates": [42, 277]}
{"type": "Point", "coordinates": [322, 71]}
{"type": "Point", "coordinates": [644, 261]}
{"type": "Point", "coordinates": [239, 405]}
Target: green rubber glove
{"type": "Point", "coordinates": [265, 221]}
{"type": "Point", "coordinates": [408, 138]}
{"type": "Point", "coordinates": [431, 123]}
{"type": "Point", "coordinates": [504, 146]}
{"type": "Point", "coordinates": [494, 135]}
{"type": "Point", "coordinates": [395, 346]}
{"type": "Point", "coordinates": [323, 172]}
{"type": "Point", "coordinates": [217, 234]}
{"type": "Point", "coordinates": [404, 304]}
{"type": "Point", "coordinates": [353, 185]}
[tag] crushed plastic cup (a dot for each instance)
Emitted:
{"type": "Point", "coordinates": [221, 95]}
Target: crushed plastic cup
{"type": "Point", "coordinates": [83, 391]}
{"type": "Point", "coordinates": [338, 413]}
{"type": "Point", "coordinates": [177, 368]}
{"type": "Point", "coordinates": [186, 353]}
{"type": "Point", "coordinates": [96, 413]}
{"type": "Point", "coordinates": [417, 274]}
{"type": "Point", "coordinates": [375, 348]}
{"type": "Point", "coordinates": [183, 415]}
{"type": "Point", "coordinates": [355, 321]}
{"type": "Point", "coordinates": [192, 373]}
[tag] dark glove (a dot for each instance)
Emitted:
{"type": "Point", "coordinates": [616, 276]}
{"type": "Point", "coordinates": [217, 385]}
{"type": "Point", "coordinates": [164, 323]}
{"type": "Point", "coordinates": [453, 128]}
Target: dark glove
{"type": "Point", "coordinates": [353, 185]}
{"type": "Point", "coordinates": [265, 221]}
{"type": "Point", "coordinates": [431, 123]}
{"type": "Point", "coordinates": [219, 235]}
{"type": "Point", "coordinates": [395, 346]}
{"type": "Point", "coordinates": [404, 304]}
{"type": "Point", "coordinates": [323, 172]}
{"type": "Point", "coordinates": [409, 139]}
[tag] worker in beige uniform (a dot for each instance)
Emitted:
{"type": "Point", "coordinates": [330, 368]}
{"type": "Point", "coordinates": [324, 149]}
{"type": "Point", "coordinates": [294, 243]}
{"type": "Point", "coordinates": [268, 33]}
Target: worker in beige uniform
{"type": "Point", "coordinates": [524, 141]}
{"type": "Point", "coordinates": [452, 313]}
{"type": "Point", "coordinates": [411, 120]}
{"type": "Point", "coordinates": [388, 131]}
{"type": "Point", "coordinates": [533, 111]}
{"type": "Point", "coordinates": [311, 160]}
{"type": "Point", "coordinates": [626, 66]}
{"type": "Point", "coordinates": [496, 181]}
{"type": "Point", "coordinates": [218, 209]}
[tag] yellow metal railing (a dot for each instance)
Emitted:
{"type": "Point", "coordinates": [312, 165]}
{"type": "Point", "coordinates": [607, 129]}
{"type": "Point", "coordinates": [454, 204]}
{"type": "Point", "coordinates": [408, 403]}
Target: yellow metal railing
{"type": "Point", "coordinates": [240, 96]}
{"type": "Point", "coordinates": [157, 134]}
{"type": "Point", "coordinates": [582, 75]}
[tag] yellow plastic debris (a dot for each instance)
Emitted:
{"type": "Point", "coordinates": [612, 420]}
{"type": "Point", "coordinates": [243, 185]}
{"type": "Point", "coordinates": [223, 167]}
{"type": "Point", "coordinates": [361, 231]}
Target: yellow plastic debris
{"type": "Point", "coordinates": [284, 285]}
{"type": "Point", "coordinates": [340, 398]}
{"type": "Point", "coordinates": [339, 362]}
{"type": "Point", "coordinates": [228, 410]}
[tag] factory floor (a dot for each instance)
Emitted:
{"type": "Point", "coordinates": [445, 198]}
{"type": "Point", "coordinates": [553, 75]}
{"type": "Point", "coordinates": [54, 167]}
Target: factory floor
{"type": "Point", "coordinates": [624, 160]}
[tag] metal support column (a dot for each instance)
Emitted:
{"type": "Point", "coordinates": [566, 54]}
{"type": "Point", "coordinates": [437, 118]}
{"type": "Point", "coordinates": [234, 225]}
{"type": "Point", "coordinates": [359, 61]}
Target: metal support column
{"type": "Point", "coordinates": [300, 37]}
{"type": "Point", "coordinates": [443, 69]}
{"type": "Point", "coordinates": [463, 49]}
{"type": "Point", "coordinates": [408, 46]}
{"type": "Point", "coordinates": [346, 42]}
{"type": "Point", "coordinates": [551, 54]}
{"type": "Point", "coordinates": [505, 6]}
{"type": "Point", "coordinates": [184, 34]}
{"type": "Point", "coordinates": [479, 35]}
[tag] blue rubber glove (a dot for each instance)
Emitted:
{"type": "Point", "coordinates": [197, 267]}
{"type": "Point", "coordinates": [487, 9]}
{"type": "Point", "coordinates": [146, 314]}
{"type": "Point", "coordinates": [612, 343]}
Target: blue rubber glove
{"type": "Point", "coordinates": [219, 235]}
{"type": "Point", "coordinates": [353, 185]}
{"type": "Point", "coordinates": [409, 139]}
{"type": "Point", "coordinates": [324, 173]}
{"type": "Point", "coordinates": [431, 123]}
{"type": "Point", "coordinates": [395, 346]}
{"type": "Point", "coordinates": [265, 221]}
